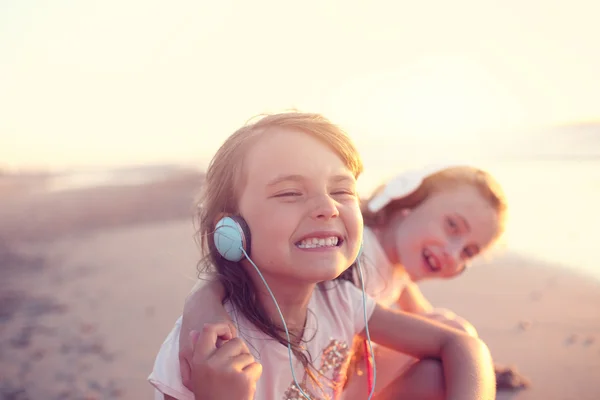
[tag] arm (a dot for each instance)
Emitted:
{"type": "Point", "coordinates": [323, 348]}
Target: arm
{"type": "Point", "coordinates": [466, 360]}
{"type": "Point", "coordinates": [203, 305]}
{"type": "Point", "coordinates": [412, 300]}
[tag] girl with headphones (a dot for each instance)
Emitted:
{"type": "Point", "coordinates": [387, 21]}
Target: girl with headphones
{"type": "Point", "coordinates": [281, 229]}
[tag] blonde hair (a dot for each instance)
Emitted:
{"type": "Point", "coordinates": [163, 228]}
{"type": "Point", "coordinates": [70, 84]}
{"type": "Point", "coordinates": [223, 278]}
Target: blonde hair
{"type": "Point", "coordinates": [446, 179]}
{"type": "Point", "coordinates": [220, 194]}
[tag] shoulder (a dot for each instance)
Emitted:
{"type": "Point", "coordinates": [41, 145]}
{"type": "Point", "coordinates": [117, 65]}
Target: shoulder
{"type": "Point", "coordinates": [345, 304]}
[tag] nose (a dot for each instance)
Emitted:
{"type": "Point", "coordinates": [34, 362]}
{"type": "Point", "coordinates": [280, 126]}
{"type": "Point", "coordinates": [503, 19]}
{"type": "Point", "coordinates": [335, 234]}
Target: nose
{"type": "Point", "coordinates": [453, 255]}
{"type": "Point", "coordinates": [325, 208]}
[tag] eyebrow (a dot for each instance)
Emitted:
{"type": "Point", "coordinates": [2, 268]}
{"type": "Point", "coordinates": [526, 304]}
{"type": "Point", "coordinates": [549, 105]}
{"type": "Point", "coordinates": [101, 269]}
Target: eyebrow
{"type": "Point", "coordinates": [300, 178]}
{"type": "Point", "coordinates": [284, 178]}
{"type": "Point", "coordinates": [343, 177]}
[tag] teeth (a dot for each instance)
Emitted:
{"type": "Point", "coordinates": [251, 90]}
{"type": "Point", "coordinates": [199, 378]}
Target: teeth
{"type": "Point", "coordinates": [312, 243]}
{"type": "Point", "coordinates": [431, 260]}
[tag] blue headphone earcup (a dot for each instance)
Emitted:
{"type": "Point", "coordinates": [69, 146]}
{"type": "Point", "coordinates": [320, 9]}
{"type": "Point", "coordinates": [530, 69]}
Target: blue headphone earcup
{"type": "Point", "coordinates": [231, 236]}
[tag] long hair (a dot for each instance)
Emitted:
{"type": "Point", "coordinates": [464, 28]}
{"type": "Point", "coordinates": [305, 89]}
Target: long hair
{"type": "Point", "coordinates": [220, 195]}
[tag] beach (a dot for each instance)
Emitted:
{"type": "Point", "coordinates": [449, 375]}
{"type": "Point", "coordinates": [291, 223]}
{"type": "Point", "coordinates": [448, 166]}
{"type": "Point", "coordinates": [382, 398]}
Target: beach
{"type": "Point", "coordinates": [93, 280]}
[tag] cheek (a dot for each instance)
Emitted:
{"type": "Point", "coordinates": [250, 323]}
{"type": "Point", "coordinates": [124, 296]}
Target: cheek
{"type": "Point", "coordinates": [353, 222]}
{"type": "Point", "coordinates": [410, 235]}
{"type": "Point", "coordinates": [271, 227]}
{"type": "Point", "coordinates": [353, 219]}
{"type": "Point", "coordinates": [269, 246]}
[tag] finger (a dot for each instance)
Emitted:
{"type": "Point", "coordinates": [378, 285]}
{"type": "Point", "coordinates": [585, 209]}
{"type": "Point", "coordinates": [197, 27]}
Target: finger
{"type": "Point", "coordinates": [230, 334]}
{"type": "Point", "coordinates": [232, 329]}
{"type": "Point", "coordinates": [446, 313]}
{"type": "Point", "coordinates": [221, 340]}
{"type": "Point", "coordinates": [435, 317]}
{"type": "Point", "coordinates": [184, 367]}
{"type": "Point", "coordinates": [440, 318]}
{"type": "Point", "coordinates": [232, 348]}
{"type": "Point", "coordinates": [463, 325]}
{"type": "Point", "coordinates": [193, 337]}
{"type": "Point", "coordinates": [206, 342]}
{"type": "Point", "coordinates": [241, 361]}
{"type": "Point", "coordinates": [254, 371]}
{"type": "Point", "coordinates": [185, 357]}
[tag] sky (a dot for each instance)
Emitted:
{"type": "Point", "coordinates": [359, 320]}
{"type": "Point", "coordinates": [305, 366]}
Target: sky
{"type": "Point", "coordinates": [116, 82]}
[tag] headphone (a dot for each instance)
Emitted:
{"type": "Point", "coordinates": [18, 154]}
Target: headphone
{"type": "Point", "coordinates": [232, 238]}
{"type": "Point", "coordinates": [232, 241]}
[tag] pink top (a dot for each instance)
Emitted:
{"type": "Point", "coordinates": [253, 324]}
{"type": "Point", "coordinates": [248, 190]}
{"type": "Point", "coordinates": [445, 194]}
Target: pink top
{"type": "Point", "coordinates": [335, 316]}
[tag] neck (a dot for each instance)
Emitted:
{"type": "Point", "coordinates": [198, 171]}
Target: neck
{"type": "Point", "coordinates": [389, 248]}
{"type": "Point", "coordinates": [292, 297]}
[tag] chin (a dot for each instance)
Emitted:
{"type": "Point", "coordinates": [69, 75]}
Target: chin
{"type": "Point", "coordinates": [322, 274]}
{"type": "Point", "coordinates": [415, 274]}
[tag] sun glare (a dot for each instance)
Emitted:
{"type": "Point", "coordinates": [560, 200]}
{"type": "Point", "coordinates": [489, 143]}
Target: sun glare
{"type": "Point", "coordinates": [436, 98]}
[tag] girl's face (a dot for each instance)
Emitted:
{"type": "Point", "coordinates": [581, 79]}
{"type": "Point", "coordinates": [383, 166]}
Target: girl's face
{"type": "Point", "coordinates": [300, 203]}
{"type": "Point", "coordinates": [438, 237]}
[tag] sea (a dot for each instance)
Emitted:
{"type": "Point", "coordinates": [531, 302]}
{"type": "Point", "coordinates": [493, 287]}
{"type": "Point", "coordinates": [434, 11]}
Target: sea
{"type": "Point", "coordinates": [553, 203]}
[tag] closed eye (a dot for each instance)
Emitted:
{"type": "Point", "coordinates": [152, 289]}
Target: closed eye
{"type": "Point", "coordinates": [344, 192]}
{"type": "Point", "coordinates": [470, 252]}
{"type": "Point", "coordinates": [288, 194]}
{"type": "Point", "coordinates": [452, 225]}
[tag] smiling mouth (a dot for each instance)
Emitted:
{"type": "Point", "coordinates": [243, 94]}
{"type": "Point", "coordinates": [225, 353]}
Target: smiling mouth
{"type": "Point", "coordinates": [430, 260]}
{"type": "Point", "coordinates": [316, 243]}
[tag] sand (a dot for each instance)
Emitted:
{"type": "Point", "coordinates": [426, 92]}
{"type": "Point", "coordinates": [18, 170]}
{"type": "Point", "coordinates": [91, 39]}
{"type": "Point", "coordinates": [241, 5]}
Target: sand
{"type": "Point", "coordinates": [84, 309]}
{"type": "Point", "coordinates": [543, 319]}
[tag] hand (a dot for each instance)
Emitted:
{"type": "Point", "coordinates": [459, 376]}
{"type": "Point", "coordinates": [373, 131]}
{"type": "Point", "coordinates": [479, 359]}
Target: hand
{"type": "Point", "coordinates": [225, 372]}
{"type": "Point", "coordinates": [202, 305]}
{"type": "Point", "coordinates": [452, 320]}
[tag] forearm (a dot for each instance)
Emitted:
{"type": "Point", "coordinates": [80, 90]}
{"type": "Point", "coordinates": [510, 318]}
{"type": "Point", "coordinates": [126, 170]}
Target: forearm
{"type": "Point", "coordinates": [466, 360]}
{"type": "Point", "coordinates": [407, 333]}
{"type": "Point", "coordinates": [468, 369]}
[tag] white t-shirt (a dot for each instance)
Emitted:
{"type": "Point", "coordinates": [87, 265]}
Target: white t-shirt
{"type": "Point", "coordinates": [335, 316]}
